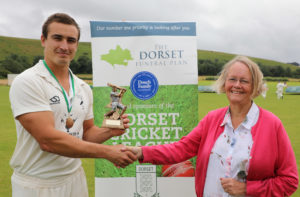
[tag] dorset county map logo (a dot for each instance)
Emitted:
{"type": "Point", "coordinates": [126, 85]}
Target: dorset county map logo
{"type": "Point", "coordinates": [117, 56]}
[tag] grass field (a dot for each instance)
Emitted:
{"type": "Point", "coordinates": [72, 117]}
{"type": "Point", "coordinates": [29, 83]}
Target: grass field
{"type": "Point", "coordinates": [288, 110]}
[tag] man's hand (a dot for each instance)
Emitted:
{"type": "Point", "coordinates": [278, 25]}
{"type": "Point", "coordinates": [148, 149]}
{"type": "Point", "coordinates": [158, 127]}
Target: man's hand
{"type": "Point", "coordinates": [135, 150]}
{"type": "Point", "coordinates": [120, 158]}
{"type": "Point", "coordinates": [118, 132]}
{"type": "Point", "coordinates": [233, 187]}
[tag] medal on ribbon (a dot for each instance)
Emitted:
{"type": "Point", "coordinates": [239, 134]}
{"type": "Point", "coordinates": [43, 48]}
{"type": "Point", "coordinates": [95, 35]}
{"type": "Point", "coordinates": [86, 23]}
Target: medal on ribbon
{"type": "Point", "coordinates": [69, 120]}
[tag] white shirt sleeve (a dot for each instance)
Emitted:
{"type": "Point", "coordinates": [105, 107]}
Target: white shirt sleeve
{"type": "Point", "coordinates": [27, 95]}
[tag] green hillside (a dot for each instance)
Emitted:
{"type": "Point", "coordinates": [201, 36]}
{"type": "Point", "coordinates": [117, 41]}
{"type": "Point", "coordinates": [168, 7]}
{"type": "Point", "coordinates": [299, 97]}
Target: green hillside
{"type": "Point", "coordinates": [20, 46]}
{"type": "Point", "coordinates": [224, 57]}
{"type": "Point", "coordinates": [32, 48]}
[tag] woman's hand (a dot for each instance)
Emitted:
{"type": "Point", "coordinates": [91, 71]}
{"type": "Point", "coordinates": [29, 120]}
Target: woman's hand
{"type": "Point", "coordinates": [233, 187]}
{"type": "Point", "coordinates": [120, 158]}
{"type": "Point", "coordinates": [135, 150]}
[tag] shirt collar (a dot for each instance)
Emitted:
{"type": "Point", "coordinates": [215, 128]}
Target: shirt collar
{"type": "Point", "coordinates": [251, 117]}
{"type": "Point", "coordinates": [43, 72]}
{"type": "Point", "coordinates": [250, 120]}
{"type": "Point", "coordinates": [226, 117]}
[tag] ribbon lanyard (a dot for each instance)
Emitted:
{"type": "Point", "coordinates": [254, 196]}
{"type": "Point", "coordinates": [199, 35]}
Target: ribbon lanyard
{"type": "Point", "coordinates": [62, 89]}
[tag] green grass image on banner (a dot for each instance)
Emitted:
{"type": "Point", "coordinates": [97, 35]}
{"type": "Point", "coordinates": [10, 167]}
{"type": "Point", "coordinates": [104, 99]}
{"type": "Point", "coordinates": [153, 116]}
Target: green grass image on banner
{"type": "Point", "coordinates": [163, 119]}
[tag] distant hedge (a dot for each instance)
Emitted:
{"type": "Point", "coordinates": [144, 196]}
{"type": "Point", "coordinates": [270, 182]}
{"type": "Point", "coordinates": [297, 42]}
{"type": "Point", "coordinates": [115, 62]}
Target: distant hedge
{"type": "Point", "coordinates": [214, 67]}
{"type": "Point", "coordinates": [15, 64]}
{"type": "Point", "coordinates": [213, 78]}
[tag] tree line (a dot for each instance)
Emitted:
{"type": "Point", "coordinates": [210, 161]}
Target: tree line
{"type": "Point", "coordinates": [214, 67]}
{"type": "Point", "coordinates": [15, 63]}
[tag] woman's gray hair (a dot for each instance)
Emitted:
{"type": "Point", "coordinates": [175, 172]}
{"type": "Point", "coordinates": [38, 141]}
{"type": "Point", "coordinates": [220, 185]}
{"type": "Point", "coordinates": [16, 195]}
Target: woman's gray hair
{"type": "Point", "coordinates": [257, 76]}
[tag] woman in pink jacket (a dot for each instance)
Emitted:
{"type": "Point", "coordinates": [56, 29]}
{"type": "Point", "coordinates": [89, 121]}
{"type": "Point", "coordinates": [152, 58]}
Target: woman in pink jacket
{"type": "Point", "coordinates": [242, 149]}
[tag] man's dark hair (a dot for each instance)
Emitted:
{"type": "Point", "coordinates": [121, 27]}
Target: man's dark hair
{"type": "Point", "coordinates": [59, 18]}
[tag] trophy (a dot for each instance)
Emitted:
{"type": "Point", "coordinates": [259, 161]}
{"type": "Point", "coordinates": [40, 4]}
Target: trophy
{"type": "Point", "coordinates": [112, 119]}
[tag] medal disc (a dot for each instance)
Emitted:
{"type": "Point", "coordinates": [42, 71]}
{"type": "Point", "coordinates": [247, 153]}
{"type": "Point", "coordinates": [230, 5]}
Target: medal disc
{"type": "Point", "coordinates": [69, 122]}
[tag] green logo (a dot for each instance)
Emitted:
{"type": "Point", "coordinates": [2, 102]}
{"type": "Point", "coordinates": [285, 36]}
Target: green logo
{"type": "Point", "coordinates": [117, 56]}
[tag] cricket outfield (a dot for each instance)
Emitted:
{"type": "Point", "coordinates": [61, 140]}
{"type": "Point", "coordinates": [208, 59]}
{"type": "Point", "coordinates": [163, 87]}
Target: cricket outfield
{"type": "Point", "coordinates": [287, 109]}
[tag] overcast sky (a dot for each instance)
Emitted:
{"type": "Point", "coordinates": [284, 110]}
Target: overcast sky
{"type": "Point", "coordinates": [267, 29]}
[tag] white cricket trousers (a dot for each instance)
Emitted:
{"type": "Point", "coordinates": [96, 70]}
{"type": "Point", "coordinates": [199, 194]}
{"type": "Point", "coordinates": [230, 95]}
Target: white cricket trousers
{"type": "Point", "coordinates": [71, 186]}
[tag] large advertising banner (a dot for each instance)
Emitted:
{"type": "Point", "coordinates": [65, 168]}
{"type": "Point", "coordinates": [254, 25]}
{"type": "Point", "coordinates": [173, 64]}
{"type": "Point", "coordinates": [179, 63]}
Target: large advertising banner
{"type": "Point", "coordinates": [156, 62]}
